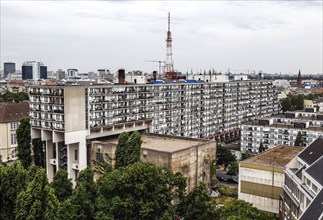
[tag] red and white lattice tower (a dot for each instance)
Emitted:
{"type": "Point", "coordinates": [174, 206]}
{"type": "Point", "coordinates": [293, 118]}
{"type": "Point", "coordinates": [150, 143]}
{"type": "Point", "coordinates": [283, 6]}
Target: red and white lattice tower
{"type": "Point", "coordinates": [169, 66]}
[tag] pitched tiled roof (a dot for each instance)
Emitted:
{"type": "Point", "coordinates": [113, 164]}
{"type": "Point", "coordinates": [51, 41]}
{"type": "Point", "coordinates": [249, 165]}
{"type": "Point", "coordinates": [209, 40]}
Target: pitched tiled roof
{"type": "Point", "coordinates": [10, 112]}
{"type": "Point", "coordinates": [314, 151]}
{"type": "Point", "coordinates": [316, 170]}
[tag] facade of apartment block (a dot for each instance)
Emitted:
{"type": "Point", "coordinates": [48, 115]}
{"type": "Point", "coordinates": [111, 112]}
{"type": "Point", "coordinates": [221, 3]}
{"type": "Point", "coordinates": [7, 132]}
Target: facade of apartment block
{"type": "Point", "coordinates": [281, 130]}
{"type": "Point", "coordinates": [302, 198]}
{"type": "Point", "coordinates": [261, 178]}
{"type": "Point", "coordinates": [67, 117]}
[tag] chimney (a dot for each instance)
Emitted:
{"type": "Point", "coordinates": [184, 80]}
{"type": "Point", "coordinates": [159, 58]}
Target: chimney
{"type": "Point", "coordinates": [121, 76]}
{"type": "Point", "coordinates": [155, 75]}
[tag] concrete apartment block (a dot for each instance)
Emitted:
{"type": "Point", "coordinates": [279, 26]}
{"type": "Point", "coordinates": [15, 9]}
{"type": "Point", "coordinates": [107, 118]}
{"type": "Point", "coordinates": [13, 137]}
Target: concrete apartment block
{"type": "Point", "coordinates": [68, 118]}
{"type": "Point", "coordinates": [281, 130]}
{"type": "Point", "coordinates": [261, 178]}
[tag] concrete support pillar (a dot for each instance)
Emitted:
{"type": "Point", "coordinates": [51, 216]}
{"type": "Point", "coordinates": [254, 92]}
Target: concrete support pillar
{"type": "Point", "coordinates": [49, 156]}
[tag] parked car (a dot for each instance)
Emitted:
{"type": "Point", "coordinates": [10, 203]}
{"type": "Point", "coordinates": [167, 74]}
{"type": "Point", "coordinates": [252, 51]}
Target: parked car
{"type": "Point", "coordinates": [231, 180]}
{"type": "Point", "coordinates": [220, 178]}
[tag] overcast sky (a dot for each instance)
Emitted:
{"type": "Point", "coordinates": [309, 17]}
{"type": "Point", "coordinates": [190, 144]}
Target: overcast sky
{"type": "Point", "coordinates": [272, 36]}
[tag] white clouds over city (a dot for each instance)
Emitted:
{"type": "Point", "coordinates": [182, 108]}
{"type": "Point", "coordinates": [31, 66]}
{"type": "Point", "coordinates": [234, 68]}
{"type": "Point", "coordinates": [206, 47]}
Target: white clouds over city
{"type": "Point", "coordinates": [273, 36]}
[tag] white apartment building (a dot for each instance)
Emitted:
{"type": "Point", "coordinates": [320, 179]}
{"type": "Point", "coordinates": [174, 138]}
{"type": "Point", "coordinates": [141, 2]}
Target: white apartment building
{"type": "Point", "coordinates": [281, 130]}
{"type": "Point", "coordinates": [303, 189]}
{"type": "Point", "coordinates": [69, 117]}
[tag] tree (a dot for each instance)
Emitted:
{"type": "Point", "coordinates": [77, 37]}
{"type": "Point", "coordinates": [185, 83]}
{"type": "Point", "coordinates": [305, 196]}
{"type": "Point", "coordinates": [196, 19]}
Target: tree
{"type": "Point", "coordinates": [224, 156]}
{"type": "Point", "coordinates": [38, 152]}
{"type": "Point", "coordinates": [81, 204]}
{"type": "Point", "coordinates": [132, 153]}
{"type": "Point", "coordinates": [38, 201]}
{"type": "Point", "coordinates": [23, 140]}
{"type": "Point", "coordinates": [286, 104]}
{"type": "Point", "coordinates": [139, 191]}
{"type": "Point", "coordinates": [12, 182]}
{"type": "Point", "coordinates": [13, 97]}
{"type": "Point", "coordinates": [299, 140]}
{"type": "Point", "coordinates": [261, 148]}
{"type": "Point", "coordinates": [239, 209]}
{"type": "Point", "coordinates": [128, 149]}
{"type": "Point", "coordinates": [246, 155]}
{"type": "Point", "coordinates": [62, 185]}
{"type": "Point", "coordinates": [31, 173]}
{"type": "Point", "coordinates": [233, 169]}
{"type": "Point", "coordinates": [121, 150]}
{"type": "Point", "coordinates": [198, 205]}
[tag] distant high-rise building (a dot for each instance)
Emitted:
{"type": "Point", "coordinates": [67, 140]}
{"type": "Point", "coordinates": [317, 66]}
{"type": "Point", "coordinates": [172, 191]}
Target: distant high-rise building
{"type": "Point", "coordinates": [60, 74]}
{"type": "Point", "coordinates": [72, 72]}
{"type": "Point", "coordinates": [34, 70]}
{"type": "Point", "coordinates": [9, 67]}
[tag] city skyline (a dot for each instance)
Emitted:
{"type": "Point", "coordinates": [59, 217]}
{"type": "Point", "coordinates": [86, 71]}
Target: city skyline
{"type": "Point", "coordinates": [270, 36]}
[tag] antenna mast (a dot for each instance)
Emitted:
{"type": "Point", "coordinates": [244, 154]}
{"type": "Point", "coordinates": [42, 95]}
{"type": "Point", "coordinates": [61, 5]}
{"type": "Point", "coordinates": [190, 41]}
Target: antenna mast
{"type": "Point", "coordinates": [169, 67]}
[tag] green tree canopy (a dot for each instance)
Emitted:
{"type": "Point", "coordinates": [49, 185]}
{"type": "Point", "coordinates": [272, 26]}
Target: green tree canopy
{"type": "Point", "coordinates": [198, 205]}
{"type": "Point", "coordinates": [224, 156]}
{"type": "Point", "coordinates": [246, 155]}
{"type": "Point", "coordinates": [299, 140]}
{"type": "Point", "coordinates": [62, 185]}
{"type": "Point", "coordinates": [23, 140]}
{"type": "Point", "coordinates": [12, 182]}
{"type": "Point", "coordinates": [132, 154]}
{"type": "Point", "coordinates": [261, 148]}
{"type": "Point", "coordinates": [139, 191]}
{"type": "Point", "coordinates": [128, 149]}
{"type": "Point", "coordinates": [13, 97]}
{"type": "Point", "coordinates": [120, 153]}
{"type": "Point", "coordinates": [38, 152]}
{"type": "Point", "coordinates": [239, 209]}
{"type": "Point", "coordinates": [38, 201]}
{"type": "Point", "coordinates": [81, 204]}
{"type": "Point", "coordinates": [233, 168]}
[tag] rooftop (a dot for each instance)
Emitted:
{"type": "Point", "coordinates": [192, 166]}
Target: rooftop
{"type": "Point", "coordinates": [287, 126]}
{"type": "Point", "coordinates": [316, 171]}
{"type": "Point", "coordinates": [163, 143]}
{"type": "Point", "coordinates": [313, 151]}
{"type": "Point", "coordinates": [278, 156]}
{"type": "Point", "coordinates": [10, 112]}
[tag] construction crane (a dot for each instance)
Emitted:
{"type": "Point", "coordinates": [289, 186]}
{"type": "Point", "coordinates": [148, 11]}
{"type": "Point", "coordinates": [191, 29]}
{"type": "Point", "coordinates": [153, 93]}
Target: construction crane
{"type": "Point", "coordinates": [156, 61]}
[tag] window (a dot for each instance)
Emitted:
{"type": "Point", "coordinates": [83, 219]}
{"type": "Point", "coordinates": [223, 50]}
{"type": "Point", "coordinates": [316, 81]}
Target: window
{"type": "Point", "coordinates": [13, 139]}
{"type": "Point", "coordinates": [99, 156]}
{"type": "Point", "coordinates": [14, 125]}
{"type": "Point", "coordinates": [314, 187]}
{"type": "Point", "coordinates": [76, 154]}
{"type": "Point", "coordinates": [13, 154]}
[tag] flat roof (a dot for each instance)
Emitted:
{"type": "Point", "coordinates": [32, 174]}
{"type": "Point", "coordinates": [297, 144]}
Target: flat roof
{"type": "Point", "coordinates": [279, 156]}
{"type": "Point", "coordinates": [163, 143]}
{"type": "Point", "coordinates": [278, 125]}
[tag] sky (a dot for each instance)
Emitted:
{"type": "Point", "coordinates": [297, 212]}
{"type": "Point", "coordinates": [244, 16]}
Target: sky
{"type": "Point", "coordinates": [271, 36]}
